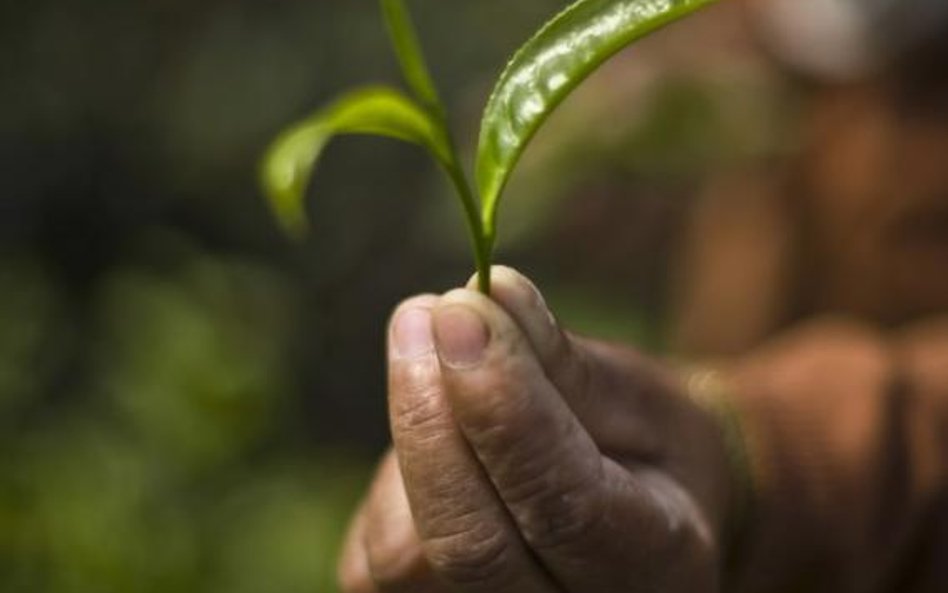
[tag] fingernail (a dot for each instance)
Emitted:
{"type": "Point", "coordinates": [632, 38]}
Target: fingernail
{"type": "Point", "coordinates": [461, 336]}
{"type": "Point", "coordinates": [526, 298]}
{"type": "Point", "coordinates": [411, 333]}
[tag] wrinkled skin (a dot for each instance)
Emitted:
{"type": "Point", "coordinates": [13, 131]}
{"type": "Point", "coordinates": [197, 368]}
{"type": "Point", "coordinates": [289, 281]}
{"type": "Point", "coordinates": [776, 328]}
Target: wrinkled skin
{"type": "Point", "coordinates": [528, 460]}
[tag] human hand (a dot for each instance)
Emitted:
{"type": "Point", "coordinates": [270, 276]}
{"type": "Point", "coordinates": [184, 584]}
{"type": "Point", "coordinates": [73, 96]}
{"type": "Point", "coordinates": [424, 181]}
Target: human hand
{"type": "Point", "coordinates": [529, 460]}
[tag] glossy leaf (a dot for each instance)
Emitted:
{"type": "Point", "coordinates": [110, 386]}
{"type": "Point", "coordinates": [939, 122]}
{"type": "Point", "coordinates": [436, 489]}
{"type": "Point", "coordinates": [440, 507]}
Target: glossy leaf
{"type": "Point", "coordinates": [290, 160]}
{"type": "Point", "coordinates": [546, 69]}
{"type": "Point", "coordinates": [408, 51]}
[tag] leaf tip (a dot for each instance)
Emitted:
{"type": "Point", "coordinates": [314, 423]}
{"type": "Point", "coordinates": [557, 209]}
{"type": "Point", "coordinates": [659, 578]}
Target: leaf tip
{"type": "Point", "coordinates": [283, 190]}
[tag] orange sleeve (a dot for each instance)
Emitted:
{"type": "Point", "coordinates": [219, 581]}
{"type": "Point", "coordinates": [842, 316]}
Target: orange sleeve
{"type": "Point", "coordinates": [846, 433]}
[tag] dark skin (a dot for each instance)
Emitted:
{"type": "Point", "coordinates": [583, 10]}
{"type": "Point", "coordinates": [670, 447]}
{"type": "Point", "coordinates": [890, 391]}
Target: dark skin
{"type": "Point", "coordinates": [528, 460]}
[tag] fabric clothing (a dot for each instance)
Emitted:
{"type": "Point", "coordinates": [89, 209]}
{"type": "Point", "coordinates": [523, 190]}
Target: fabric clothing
{"type": "Point", "coordinates": [846, 430]}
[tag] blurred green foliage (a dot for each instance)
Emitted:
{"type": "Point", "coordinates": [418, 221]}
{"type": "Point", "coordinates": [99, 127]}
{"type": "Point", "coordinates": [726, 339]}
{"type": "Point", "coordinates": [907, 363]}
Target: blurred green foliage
{"type": "Point", "coordinates": [169, 472]}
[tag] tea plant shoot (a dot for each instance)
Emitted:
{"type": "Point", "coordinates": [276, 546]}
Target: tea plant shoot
{"type": "Point", "coordinates": [541, 74]}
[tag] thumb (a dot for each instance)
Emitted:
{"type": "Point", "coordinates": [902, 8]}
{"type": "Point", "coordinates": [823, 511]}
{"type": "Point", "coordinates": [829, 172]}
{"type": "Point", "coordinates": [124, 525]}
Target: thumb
{"type": "Point", "coordinates": [580, 368]}
{"type": "Point", "coordinates": [564, 358]}
{"type": "Point", "coordinates": [588, 373]}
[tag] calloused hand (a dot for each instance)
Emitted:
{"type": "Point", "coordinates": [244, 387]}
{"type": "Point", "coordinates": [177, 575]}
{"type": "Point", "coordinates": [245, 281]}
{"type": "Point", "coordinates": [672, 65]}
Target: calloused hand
{"type": "Point", "coordinates": [527, 460]}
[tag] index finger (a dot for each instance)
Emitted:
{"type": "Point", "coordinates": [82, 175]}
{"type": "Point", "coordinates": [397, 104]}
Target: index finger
{"type": "Point", "coordinates": [466, 534]}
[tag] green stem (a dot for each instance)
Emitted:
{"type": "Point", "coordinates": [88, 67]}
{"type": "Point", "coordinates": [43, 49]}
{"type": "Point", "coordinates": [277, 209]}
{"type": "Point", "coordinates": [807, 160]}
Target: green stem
{"type": "Point", "coordinates": [479, 242]}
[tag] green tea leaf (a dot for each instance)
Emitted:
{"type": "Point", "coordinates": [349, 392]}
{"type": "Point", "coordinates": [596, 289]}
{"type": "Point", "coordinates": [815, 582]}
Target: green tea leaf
{"type": "Point", "coordinates": [546, 69]}
{"type": "Point", "coordinates": [289, 162]}
{"type": "Point", "coordinates": [410, 57]}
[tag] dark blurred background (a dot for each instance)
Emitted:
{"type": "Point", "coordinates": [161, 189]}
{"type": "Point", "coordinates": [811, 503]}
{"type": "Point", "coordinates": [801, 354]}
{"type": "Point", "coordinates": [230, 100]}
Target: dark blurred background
{"type": "Point", "coordinates": [191, 402]}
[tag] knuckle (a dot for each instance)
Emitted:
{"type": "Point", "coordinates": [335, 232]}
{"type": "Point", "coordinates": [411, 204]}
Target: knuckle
{"type": "Point", "coordinates": [500, 409]}
{"type": "Point", "coordinates": [419, 410]}
{"type": "Point", "coordinates": [688, 535]}
{"type": "Point", "coordinates": [354, 580]}
{"type": "Point", "coordinates": [576, 366]}
{"type": "Point", "coordinates": [392, 549]}
{"type": "Point", "coordinates": [394, 562]}
{"type": "Point", "coordinates": [580, 369]}
{"type": "Point", "coordinates": [476, 555]}
{"type": "Point", "coordinates": [560, 517]}
{"type": "Point", "coordinates": [681, 532]}
{"type": "Point", "coordinates": [506, 418]}
{"type": "Point", "coordinates": [556, 508]}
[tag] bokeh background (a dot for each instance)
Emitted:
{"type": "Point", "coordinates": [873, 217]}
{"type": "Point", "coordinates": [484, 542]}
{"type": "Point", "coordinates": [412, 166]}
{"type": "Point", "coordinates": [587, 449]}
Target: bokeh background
{"type": "Point", "coordinates": [191, 402]}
